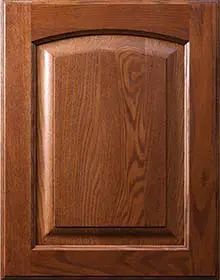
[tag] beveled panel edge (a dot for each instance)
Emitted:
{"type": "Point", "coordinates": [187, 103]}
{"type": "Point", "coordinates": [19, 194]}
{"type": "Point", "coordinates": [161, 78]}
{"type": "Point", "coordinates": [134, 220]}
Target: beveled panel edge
{"type": "Point", "coordinates": [52, 229]}
{"type": "Point", "coordinates": [103, 278]}
{"type": "Point", "coordinates": [165, 231]}
{"type": "Point", "coordinates": [93, 32]}
{"type": "Point", "coordinates": [186, 144]}
{"type": "Point", "coordinates": [49, 227]}
{"type": "Point", "coordinates": [44, 175]}
{"type": "Point", "coordinates": [108, 248]}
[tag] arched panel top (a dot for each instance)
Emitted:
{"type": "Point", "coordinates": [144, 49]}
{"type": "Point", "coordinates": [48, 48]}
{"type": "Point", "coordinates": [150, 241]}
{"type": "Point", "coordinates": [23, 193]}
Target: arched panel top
{"type": "Point", "coordinates": [110, 43]}
{"type": "Point", "coordinates": [109, 157]}
{"type": "Point", "coordinates": [103, 101]}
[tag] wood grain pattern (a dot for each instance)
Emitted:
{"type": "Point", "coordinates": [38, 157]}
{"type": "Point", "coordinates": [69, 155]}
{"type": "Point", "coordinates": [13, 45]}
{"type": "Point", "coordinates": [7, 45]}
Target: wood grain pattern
{"type": "Point", "coordinates": [101, 262]}
{"type": "Point", "coordinates": [103, 128]}
{"type": "Point", "coordinates": [51, 20]}
{"type": "Point", "coordinates": [112, 169]}
{"type": "Point", "coordinates": [17, 137]}
{"type": "Point", "coordinates": [193, 22]}
{"type": "Point", "coordinates": [203, 137]}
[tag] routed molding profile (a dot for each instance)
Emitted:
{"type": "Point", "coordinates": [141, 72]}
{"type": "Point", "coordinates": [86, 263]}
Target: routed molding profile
{"type": "Point", "coordinates": [109, 139]}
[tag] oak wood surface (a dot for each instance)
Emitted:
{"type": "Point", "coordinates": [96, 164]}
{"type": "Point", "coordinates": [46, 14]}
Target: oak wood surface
{"type": "Point", "coordinates": [195, 23]}
{"type": "Point", "coordinates": [103, 128]}
{"type": "Point", "coordinates": [110, 17]}
{"type": "Point", "coordinates": [110, 152]}
{"type": "Point", "coordinates": [130, 132]}
{"type": "Point", "coordinates": [203, 134]}
{"type": "Point", "coordinates": [17, 139]}
{"type": "Point", "coordinates": [171, 255]}
{"type": "Point", "coordinates": [82, 124]}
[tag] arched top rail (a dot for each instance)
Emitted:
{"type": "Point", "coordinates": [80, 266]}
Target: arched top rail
{"type": "Point", "coordinates": [56, 21]}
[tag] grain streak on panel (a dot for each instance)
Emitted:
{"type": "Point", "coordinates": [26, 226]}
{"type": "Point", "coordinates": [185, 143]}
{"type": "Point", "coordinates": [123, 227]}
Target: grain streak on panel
{"type": "Point", "coordinates": [111, 140]}
{"type": "Point", "coordinates": [137, 259]}
{"type": "Point", "coordinates": [104, 117]}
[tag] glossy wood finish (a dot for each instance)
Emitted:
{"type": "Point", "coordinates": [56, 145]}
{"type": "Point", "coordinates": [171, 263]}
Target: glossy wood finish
{"type": "Point", "coordinates": [98, 131]}
{"type": "Point", "coordinates": [116, 168]}
{"type": "Point", "coordinates": [26, 253]}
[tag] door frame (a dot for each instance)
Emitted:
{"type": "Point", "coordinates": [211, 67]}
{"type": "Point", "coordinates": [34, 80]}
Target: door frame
{"type": "Point", "coordinates": [15, 125]}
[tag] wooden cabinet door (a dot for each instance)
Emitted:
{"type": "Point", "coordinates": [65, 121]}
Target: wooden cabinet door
{"type": "Point", "coordinates": [109, 138]}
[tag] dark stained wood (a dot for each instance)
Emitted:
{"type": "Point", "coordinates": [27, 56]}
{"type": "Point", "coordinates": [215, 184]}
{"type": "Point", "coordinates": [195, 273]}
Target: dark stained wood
{"type": "Point", "coordinates": [171, 255]}
{"type": "Point", "coordinates": [102, 130]}
{"type": "Point", "coordinates": [187, 248]}
{"type": "Point", "coordinates": [218, 133]}
{"type": "Point", "coordinates": [109, 261]}
{"type": "Point", "coordinates": [109, 132]}
{"type": "Point", "coordinates": [50, 20]}
{"type": "Point", "coordinates": [108, 278]}
{"type": "Point", "coordinates": [203, 137]}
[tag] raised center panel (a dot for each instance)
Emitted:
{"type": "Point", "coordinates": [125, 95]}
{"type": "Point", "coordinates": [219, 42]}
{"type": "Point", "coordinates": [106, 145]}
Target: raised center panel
{"type": "Point", "coordinates": [110, 150]}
